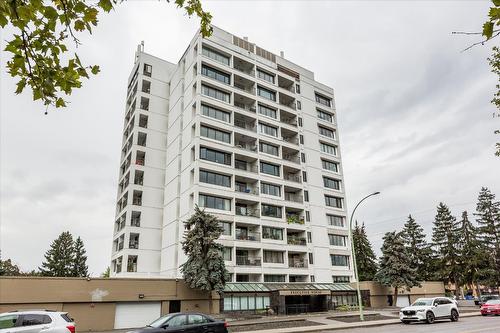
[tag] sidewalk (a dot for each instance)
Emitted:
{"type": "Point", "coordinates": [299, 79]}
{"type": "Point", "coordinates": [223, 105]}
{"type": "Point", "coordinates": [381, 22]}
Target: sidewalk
{"type": "Point", "coordinates": [334, 325]}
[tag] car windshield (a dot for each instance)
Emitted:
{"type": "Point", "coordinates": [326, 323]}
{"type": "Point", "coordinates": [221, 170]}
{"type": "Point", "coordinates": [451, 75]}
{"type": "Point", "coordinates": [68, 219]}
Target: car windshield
{"type": "Point", "coordinates": [422, 302]}
{"type": "Point", "coordinates": [160, 321]}
{"type": "Point", "coordinates": [493, 301]}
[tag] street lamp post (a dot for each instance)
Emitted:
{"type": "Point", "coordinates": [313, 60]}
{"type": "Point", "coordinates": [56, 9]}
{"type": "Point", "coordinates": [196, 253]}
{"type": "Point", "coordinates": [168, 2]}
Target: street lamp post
{"type": "Point", "coordinates": [360, 302]}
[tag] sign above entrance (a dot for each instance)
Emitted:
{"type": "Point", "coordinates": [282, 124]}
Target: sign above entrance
{"type": "Point", "coordinates": [303, 292]}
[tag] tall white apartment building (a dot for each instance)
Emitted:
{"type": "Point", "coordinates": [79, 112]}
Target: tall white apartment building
{"type": "Point", "coordinates": [250, 137]}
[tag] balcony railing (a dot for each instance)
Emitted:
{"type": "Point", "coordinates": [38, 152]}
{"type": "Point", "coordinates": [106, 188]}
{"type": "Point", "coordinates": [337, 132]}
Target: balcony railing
{"type": "Point", "coordinates": [292, 177]}
{"type": "Point", "coordinates": [245, 107]}
{"type": "Point", "coordinates": [291, 139]}
{"type": "Point", "coordinates": [294, 219]}
{"type": "Point", "coordinates": [246, 167]}
{"type": "Point", "coordinates": [247, 235]}
{"type": "Point", "coordinates": [242, 211]}
{"type": "Point", "coordinates": [295, 240]}
{"type": "Point", "coordinates": [246, 146]}
{"type": "Point", "coordinates": [247, 261]}
{"type": "Point", "coordinates": [250, 90]}
{"type": "Point", "coordinates": [293, 197]}
{"type": "Point", "coordinates": [133, 245]}
{"type": "Point", "coordinates": [135, 222]}
{"type": "Point", "coordinates": [292, 158]}
{"type": "Point", "coordinates": [248, 190]}
{"type": "Point", "coordinates": [289, 121]}
{"type": "Point", "coordinates": [139, 161]}
{"type": "Point", "coordinates": [297, 263]}
{"type": "Point", "coordinates": [137, 201]}
{"type": "Point", "coordinates": [245, 125]}
{"type": "Point", "coordinates": [247, 72]}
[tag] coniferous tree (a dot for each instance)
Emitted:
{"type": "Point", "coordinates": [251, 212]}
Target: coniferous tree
{"type": "Point", "coordinates": [471, 253]}
{"type": "Point", "coordinates": [488, 219]}
{"type": "Point", "coordinates": [204, 268]}
{"type": "Point", "coordinates": [395, 270]}
{"type": "Point", "coordinates": [106, 273]}
{"type": "Point", "coordinates": [8, 268]}
{"type": "Point", "coordinates": [366, 261]}
{"type": "Point", "coordinates": [59, 258]}
{"type": "Point", "coordinates": [80, 268]}
{"type": "Point", "coordinates": [419, 252]}
{"type": "Point", "coordinates": [445, 241]}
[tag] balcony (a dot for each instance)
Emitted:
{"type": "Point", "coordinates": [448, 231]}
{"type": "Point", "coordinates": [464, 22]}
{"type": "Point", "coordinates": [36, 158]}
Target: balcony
{"type": "Point", "coordinates": [136, 219]}
{"type": "Point", "coordinates": [293, 218]}
{"type": "Point", "coordinates": [296, 262]}
{"type": "Point", "coordinates": [286, 84]}
{"type": "Point", "coordinates": [245, 234]}
{"type": "Point", "coordinates": [245, 123]}
{"type": "Point", "coordinates": [243, 188]}
{"type": "Point", "coordinates": [291, 157]}
{"type": "Point", "coordinates": [294, 197]}
{"type": "Point", "coordinates": [245, 142]}
{"type": "Point", "coordinates": [137, 198]}
{"type": "Point", "coordinates": [244, 66]}
{"type": "Point", "coordinates": [295, 238]}
{"type": "Point", "coordinates": [242, 210]}
{"type": "Point", "coordinates": [140, 158]}
{"type": "Point", "coordinates": [248, 261]}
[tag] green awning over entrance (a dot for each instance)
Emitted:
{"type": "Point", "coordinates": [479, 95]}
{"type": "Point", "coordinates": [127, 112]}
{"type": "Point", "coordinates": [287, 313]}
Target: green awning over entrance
{"type": "Point", "coordinates": [246, 287]}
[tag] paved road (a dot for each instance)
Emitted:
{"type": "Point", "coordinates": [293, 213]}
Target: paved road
{"type": "Point", "coordinates": [464, 325]}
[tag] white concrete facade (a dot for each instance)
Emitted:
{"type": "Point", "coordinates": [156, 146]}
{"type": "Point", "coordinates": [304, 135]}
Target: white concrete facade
{"type": "Point", "coordinates": [248, 136]}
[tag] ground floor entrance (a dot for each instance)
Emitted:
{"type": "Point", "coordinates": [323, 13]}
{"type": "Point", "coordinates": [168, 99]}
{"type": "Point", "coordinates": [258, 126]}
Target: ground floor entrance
{"type": "Point", "coordinates": [305, 303]}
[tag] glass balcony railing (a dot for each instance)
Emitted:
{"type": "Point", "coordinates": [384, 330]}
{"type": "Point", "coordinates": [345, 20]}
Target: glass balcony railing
{"type": "Point", "coordinates": [247, 261]}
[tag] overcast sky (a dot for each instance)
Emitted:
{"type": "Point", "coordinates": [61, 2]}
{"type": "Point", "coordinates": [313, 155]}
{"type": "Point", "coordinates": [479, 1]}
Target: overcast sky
{"type": "Point", "coordinates": [414, 113]}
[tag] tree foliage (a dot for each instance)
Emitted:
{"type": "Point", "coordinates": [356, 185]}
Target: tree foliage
{"type": "Point", "coordinates": [65, 257]}
{"type": "Point", "coordinates": [366, 261]}
{"type": "Point", "coordinates": [43, 30]}
{"type": "Point", "coordinates": [488, 219]}
{"type": "Point", "coordinates": [395, 270]}
{"type": "Point", "coordinates": [204, 268]}
{"type": "Point", "coordinates": [8, 268]}
{"type": "Point", "coordinates": [445, 240]}
{"type": "Point", "coordinates": [80, 268]}
{"type": "Point", "coordinates": [107, 273]}
{"type": "Point", "coordinates": [419, 252]}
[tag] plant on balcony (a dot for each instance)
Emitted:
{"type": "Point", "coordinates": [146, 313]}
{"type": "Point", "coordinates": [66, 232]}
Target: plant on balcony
{"type": "Point", "coordinates": [294, 219]}
{"type": "Point", "coordinates": [204, 268]}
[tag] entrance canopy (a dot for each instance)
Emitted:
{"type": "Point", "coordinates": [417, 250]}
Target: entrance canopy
{"type": "Point", "coordinates": [287, 288]}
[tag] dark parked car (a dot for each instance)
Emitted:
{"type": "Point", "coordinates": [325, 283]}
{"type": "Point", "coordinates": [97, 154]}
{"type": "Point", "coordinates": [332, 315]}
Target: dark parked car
{"type": "Point", "coordinates": [185, 323]}
{"type": "Point", "coordinates": [484, 298]}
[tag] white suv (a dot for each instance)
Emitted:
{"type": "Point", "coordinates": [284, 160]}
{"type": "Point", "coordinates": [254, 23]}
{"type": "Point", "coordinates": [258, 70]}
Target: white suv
{"type": "Point", "coordinates": [36, 321]}
{"type": "Point", "coordinates": [429, 309]}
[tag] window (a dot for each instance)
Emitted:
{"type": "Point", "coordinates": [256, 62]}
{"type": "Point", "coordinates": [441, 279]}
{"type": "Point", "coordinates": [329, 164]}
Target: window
{"type": "Point", "coordinates": [227, 226]}
{"type": "Point", "coordinates": [270, 189]}
{"type": "Point", "coordinates": [301, 139]}
{"type": "Point", "coordinates": [329, 149]}
{"type": "Point", "coordinates": [265, 76]}
{"type": "Point", "coordinates": [325, 116]}
{"type": "Point", "coordinates": [312, 278]}
{"type": "Point", "coordinates": [339, 260]}
{"type": "Point", "coordinates": [270, 169]}
{"type": "Point", "coordinates": [274, 278]}
{"type": "Point", "coordinates": [269, 130]}
{"type": "Point", "coordinates": [215, 134]}
{"type": "Point", "coordinates": [337, 221]}
{"type": "Point", "coordinates": [309, 237]}
{"type": "Point", "coordinates": [196, 319]}
{"type": "Point", "coordinates": [215, 74]}
{"type": "Point", "coordinates": [297, 88]}
{"type": "Point", "coordinates": [329, 165]}
{"type": "Point", "coordinates": [177, 321]}
{"type": "Point", "coordinates": [300, 122]}
{"type": "Point", "coordinates": [215, 55]}
{"type": "Point", "coordinates": [215, 156]}
{"type": "Point", "coordinates": [215, 178]}
{"type": "Point", "coordinates": [215, 93]}
{"type": "Point", "coordinates": [267, 94]}
{"type": "Point", "coordinates": [268, 149]}
{"type": "Point", "coordinates": [323, 100]}
{"type": "Point", "coordinates": [308, 216]}
{"type": "Point", "coordinates": [341, 279]}
{"type": "Point", "coordinates": [272, 233]}
{"type": "Point", "coordinates": [311, 259]}
{"type": "Point", "coordinates": [227, 253]}
{"type": "Point", "coordinates": [306, 196]}
{"type": "Point", "coordinates": [331, 183]}
{"type": "Point", "coordinates": [304, 176]}
{"type": "Point", "coordinates": [275, 257]}
{"type": "Point", "coordinates": [35, 319]}
{"type": "Point", "coordinates": [303, 157]}
{"type": "Point", "coordinates": [144, 105]}
{"type": "Point", "coordinates": [271, 211]}
{"type": "Point", "coordinates": [337, 240]}
{"type": "Point", "coordinates": [147, 70]}
{"type": "Point", "coordinates": [209, 201]}
{"type": "Point", "coordinates": [267, 111]}
{"type": "Point", "coordinates": [215, 113]}
{"type": "Point", "coordinates": [299, 105]}
{"type": "Point", "coordinates": [236, 303]}
{"type": "Point", "coordinates": [146, 86]}
{"type": "Point", "coordinates": [326, 132]}
{"type": "Point", "coordinates": [333, 201]}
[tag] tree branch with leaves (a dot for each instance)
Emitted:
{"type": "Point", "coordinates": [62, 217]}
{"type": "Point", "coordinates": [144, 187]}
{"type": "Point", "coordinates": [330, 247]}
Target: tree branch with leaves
{"type": "Point", "coordinates": [44, 29]}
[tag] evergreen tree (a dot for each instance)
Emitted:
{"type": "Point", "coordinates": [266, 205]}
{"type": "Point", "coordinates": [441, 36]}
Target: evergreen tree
{"type": "Point", "coordinates": [8, 268]}
{"type": "Point", "coordinates": [106, 273]}
{"type": "Point", "coordinates": [80, 268]}
{"type": "Point", "coordinates": [204, 268]}
{"type": "Point", "coordinates": [59, 258]}
{"type": "Point", "coordinates": [419, 252]}
{"type": "Point", "coordinates": [366, 261]}
{"type": "Point", "coordinates": [472, 255]}
{"type": "Point", "coordinates": [395, 270]}
{"type": "Point", "coordinates": [488, 219]}
{"type": "Point", "coordinates": [445, 241]}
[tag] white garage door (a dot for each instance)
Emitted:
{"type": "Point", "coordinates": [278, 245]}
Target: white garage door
{"type": "Point", "coordinates": [403, 301]}
{"type": "Point", "coordinates": [131, 315]}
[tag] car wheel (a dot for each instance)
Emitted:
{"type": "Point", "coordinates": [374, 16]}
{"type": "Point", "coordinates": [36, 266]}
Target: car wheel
{"type": "Point", "coordinates": [406, 322]}
{"type": "Point", "coordinates": [429, 316]}
{"type": "Point", "coordinates": [454, 315]}
{"type": "Point", "coordinates": [483, 314]}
